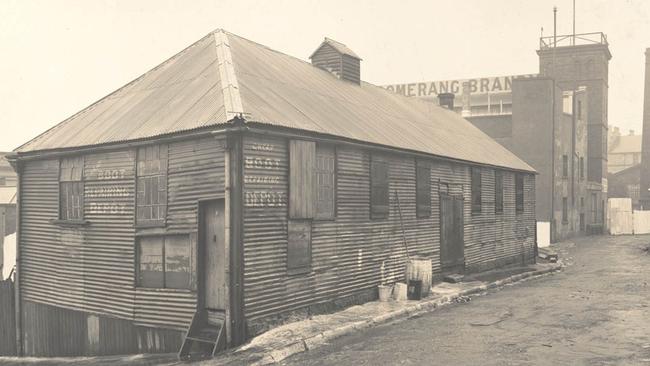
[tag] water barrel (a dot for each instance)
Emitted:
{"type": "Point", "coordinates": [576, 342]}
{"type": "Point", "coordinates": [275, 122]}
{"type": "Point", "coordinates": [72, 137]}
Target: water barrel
{"type": "Point", "coordinates": [419, 268]}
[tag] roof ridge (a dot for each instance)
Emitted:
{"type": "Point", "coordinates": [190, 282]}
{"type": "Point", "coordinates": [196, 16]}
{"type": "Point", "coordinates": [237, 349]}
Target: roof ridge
{"type": "Point", "coordinates": [104, 98]}
{"type": "Point", "coordinates": [229, 85]}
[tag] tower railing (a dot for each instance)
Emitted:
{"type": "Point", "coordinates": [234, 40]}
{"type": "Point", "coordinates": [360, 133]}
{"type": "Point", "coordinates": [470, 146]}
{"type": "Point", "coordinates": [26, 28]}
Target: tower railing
{"type": "Point", "coordinates": [567, 40]}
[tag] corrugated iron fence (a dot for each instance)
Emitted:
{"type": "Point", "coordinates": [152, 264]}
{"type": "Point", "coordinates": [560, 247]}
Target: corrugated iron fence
{"type": "Point", "coordinates": [7, 325]}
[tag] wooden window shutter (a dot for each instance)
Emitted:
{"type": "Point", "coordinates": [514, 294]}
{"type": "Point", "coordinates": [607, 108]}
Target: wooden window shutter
{"type": "Point", "coordinates": [476, 190]}
{"type": "Point", "coordinates": [519, 193]}
{"type": "Point", "coordinates": [498, 191]}
{"type": "Point", "coordinates": [299, 246]}
{"type": "Point", "coordinates": [302, 161]}
{"type": "Point", "coordinates": [423, 190]}
{"type": "Point", "coordinates": [379, 194]}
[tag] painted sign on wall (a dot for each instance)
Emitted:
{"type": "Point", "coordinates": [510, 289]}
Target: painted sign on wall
{"type": "Point", "coordinates": [476, 86]}
{"type": "Point", "coordinates": [265, 173]}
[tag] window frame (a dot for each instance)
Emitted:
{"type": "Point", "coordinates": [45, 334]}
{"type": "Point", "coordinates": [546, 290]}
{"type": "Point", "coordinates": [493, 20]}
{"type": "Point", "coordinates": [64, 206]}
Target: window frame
{"type": "Point", "coordinates": [565, 210]}
{"type": "Point", "coordinates": [565, 166]}
{"type": "Point", "coordinates": [322, 215]}
{"type": "Point", "coordinates": [476, 186]}
{"type": "Point", "coordinates": [376, 210]}
{"type": "Point", "coordinates": [422, 193]}
{"type": "Point", "coordinates": [498, 192]}
{"type": "Point", "coordinates": [163, 240]}
{"type": "Point", "coordinates": [73, 182]}
{"type": "Point", "coordinates": [519, 193]}
{"type": "Point", "coordinates": [162, 175]}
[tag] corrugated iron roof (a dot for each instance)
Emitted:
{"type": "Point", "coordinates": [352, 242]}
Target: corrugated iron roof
{"type": "Point", "coordinates": [7, 195]}
{"type": "Point", "coordinates": [337, 46]}
{"type": "Point", "coordinates": [187, 92]}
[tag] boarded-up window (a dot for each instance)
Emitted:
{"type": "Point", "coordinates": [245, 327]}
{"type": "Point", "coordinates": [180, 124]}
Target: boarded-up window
{"type": "Point", "coordinates": [299, 246]}
{"type": "Point", "coordinates": [302, 157]}
{"type": "Point", "coordinates": [164, 261]}
{"type": "Point", "coordinates": [378, 188]}
{"type": "Point", "coordinates": [498, 191]}
{"type": "Point", "coordinates": [519, 193]}
{"type": "Point", "coordinates": [325, 177]}
{"type": "Point", "coordinates": [71, 189]}
{"type": "Point", "coordinates": [423, 190]}
{"type": "Point", "coordinates": [151, 208]}
{"type": "Point", "coordinates": [476, 190]}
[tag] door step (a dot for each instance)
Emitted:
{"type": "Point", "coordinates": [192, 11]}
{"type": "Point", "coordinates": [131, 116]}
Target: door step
{"type": "Point", "coordinates": [205, 337]}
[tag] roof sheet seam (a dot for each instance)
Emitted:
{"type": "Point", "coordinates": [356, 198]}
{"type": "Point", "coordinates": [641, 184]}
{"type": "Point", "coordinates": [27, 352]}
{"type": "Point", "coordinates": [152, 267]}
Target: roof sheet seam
{"type": "Point", "coordinates": [229, 85]}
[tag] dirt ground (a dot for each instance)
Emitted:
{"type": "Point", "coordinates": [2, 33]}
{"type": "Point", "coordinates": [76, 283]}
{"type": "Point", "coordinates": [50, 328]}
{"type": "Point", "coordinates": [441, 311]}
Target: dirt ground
{"type": "Point", "coordinates": [595, 312]}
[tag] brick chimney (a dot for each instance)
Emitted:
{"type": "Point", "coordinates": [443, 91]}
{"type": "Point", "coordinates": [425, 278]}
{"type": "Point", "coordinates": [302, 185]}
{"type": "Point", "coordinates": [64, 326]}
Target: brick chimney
{"type": "Point", "coordinates": [338, 59]}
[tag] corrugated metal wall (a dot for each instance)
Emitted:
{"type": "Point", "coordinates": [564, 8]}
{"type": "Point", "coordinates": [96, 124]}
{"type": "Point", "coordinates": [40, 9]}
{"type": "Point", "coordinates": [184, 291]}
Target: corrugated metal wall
{"type": "Point", "coordinates": [348, 253]}
{"type": "Point", "coordinates": [91, 268]}
{"type": "Point", "coordinates": [7, 319]}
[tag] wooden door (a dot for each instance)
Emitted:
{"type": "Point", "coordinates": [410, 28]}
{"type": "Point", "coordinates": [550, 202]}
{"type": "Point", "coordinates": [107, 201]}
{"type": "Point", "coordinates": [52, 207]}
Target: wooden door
{"type": "Point", "coordinates": [212, 237]}
{"type": "Point", "coordinates": [452, 246]}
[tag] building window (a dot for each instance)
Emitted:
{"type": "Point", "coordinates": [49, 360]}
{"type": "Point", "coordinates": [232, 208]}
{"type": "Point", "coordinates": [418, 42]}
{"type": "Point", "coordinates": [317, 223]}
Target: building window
{"type": "Point", "coordinates": [3, 181]}
{"type": "Point", "coordinates": [476, 190]}
{"type": "Point", "coordinates": [582, 203]}
{"type": "Point", "coordinates": [565, 209]}
{"type": "Point", "coordinates": [519, 193]}
{"type": "Point", "coordinates": [498, 191]}
{"type": "Point", "coordinates": [379, 194]}
{"type": "Point", "coordinates": [302, 165]}
{"type": "Point", "coordinates": [579, 112]}
{"type": "Point", "coordinates": [164, 262]}
{"type": "Point", "coordinates": [71, 189]}
{"type": "Point", "coordinates": [325, 177]}
{"type": "Point", "coordinates": [565, 166]}
{"type": "Point", "coordinates": [594, 208]}
{"type": "Point", "coordinates": [423, 191]}
{"type": "Point", "coordinates": [151, 208]}
{"type": "Point", "coordinates": [582, 167]}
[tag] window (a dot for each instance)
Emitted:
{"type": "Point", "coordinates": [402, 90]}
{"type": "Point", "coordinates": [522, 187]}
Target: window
{"type": "Point", "coordinates": [498, 191]}
{"type": "Point", "coordinates": [378, 188]}
{"type": "Point", "coordinates": [565, 209]}
{"type": "Point", "coordinates": [567, 103]}
{"type": "Point", "coordinates": [579, 107]}
{"type": "Point", "coordinates": [151, 207]}
{"type": "Point", "coordinates": [476, 190]}
{"type": "Point", "coordinates": [423, 191]}
{"type": "Point", "coordinates": [325, 177]}
{"type": "Point", "coordinates": [164, 262]}
{"type": "Point", "coordinates": [3, 181]}
{"type": "Point", "coordinates": [519, 193]}
{"type": "Point", "coordinates": [565, 166]}
{"type": "Point", "coordinates": [71, 189]}
{"type": "Point", "coordinates": [594, 208]}
{"type": "Point", "coordinates": [582, 167]}
{"type": "Point", "coordinates": [582, 203]}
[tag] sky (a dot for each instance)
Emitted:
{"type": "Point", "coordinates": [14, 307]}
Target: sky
{"type": "Point", "coordinates": [59, 56]}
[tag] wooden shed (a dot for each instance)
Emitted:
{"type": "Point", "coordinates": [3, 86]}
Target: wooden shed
{"type": "Point", "coordinates": [239, 187]}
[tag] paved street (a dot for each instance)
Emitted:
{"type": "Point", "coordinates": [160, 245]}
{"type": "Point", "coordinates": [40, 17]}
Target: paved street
{"type": "Point", "coordinates": [595, 312]}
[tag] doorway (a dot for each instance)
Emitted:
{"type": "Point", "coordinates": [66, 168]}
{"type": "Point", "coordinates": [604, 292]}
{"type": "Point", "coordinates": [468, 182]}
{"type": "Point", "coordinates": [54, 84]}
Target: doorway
{"type": "Point", "coordinates": [452, 246]}
{"type": "Point", "coordinates": [212, 255]}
